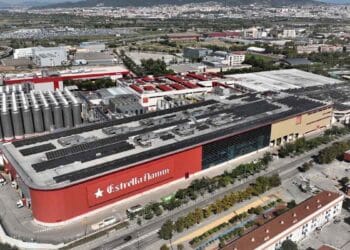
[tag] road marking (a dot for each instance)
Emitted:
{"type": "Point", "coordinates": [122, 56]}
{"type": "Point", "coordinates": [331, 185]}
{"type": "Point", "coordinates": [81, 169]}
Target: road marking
{"type": "Point", "coordinates": [136, 240]}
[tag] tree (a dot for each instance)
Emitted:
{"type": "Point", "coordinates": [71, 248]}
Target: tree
{"type": "Point", "coordinates": [166, 231]}
{"type": "Point", "coordinates": [164, 247]}
{"type": "Point", "coordinates": [345, 180]}
{"type": "Point", "coordinates": [180, 247]}
{"type": "Point", "coordinates": [289, 245]}
{"type": "Point", "coordinates": [291, 204]}
{"type": "Point", "coordinates": [180, 224]}
{"type": "Point", "coordinates": [5, 246]}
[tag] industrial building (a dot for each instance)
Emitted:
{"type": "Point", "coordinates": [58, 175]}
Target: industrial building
{"type": "Point", "coordinates": [295, 224]}
{"type": "Point", "coordinates": [224, 60]}
{"type": "Point", "coordinates": [196, 53]}
{"type": "Point", "coordinates": [27, 113]}
{"type": "Point", "coordinates": [49, 57]}
{"type": "Point", "coordinates": [153, 91]}
{"type": "Point", "coordinates": [69, 173]}
{"type": "Point", "coordinates": [43, 56]}
{"type": "Point", "coordinates": [279, 80]}
{"type": "Point", "coordinates": [46, 80]}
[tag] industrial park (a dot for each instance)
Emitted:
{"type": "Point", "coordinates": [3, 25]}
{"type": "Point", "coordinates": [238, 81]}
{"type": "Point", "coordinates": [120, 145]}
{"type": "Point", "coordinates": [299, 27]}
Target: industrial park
{"type": "Point", "coordinates": [188, 125]}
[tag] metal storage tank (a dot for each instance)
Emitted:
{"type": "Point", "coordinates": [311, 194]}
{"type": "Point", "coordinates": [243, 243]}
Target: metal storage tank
{"type": "Point", "coordinates": [76, 108]}
{"type": "Point", "coordinates": [27, 117]}
{"type": "Point", "coordinates": [57, 112]}
{"type": "Point", "coordinates": [1, 135]}
{"type": "Point", "coordinates": [16, 118]}
{"type": "Point", "coordinates": [48, 121]}
{"type": "Point", "coordinates": [37, 115]}
{"type": "Point", "coordinates": [67, 111]}
{"type": "Point", "coordinates": [6, 120]}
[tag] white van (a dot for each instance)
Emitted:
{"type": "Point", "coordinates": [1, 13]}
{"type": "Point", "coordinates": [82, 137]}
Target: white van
{"type": "Point", "coordinates": [19, 204]}
{"type": "Point", "coordinates": [106, 222]}
{"type": "Point", "coordinates": [2, 180]}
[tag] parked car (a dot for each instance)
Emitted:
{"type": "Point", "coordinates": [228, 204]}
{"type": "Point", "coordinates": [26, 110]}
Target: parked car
{"type": "Point", "coordinates": [2, 180]}
{"type": "Point", "coordinates": [127, 238]}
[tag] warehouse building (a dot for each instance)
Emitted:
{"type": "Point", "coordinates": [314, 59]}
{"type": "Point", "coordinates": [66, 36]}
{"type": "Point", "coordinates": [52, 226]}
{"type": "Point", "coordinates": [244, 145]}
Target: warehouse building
{"type": "Point", "coordinates": [295, 224]}
{"type": "Point", "coordinates": [73, 172]}
{"type": "Point", "coordinates": [279, 80]}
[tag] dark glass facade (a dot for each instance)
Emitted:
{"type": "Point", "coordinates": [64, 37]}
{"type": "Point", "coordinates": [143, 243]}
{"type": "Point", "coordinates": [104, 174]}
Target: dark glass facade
{"type": "Point", "coordinates": [232, 147]}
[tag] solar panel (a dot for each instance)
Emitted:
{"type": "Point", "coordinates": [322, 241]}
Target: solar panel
{"type": "Point", "coordinates": [202, 127]}
{"type": "Point", "coordinates": [167, 137]}
{"type": "Point", "coordinates": [80, 148]}
{"type": "Point", "coordinates": [37, 149]}
{"type": "Point", "coordinates": [147, 155]}
{"type": "Point", "coordinates": [100, 125]}
{"type": "Point", "coordinates": [84, 156]}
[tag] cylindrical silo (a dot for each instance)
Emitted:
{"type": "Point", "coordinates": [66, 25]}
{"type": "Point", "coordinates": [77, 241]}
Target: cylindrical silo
{"type": "Point", "coordinates": [1, 135]}
{"type": "Point", "coordinates": [37, 115]}
{"type": "Point", "coordinates": [57, 112]}
{"type": "Point", "coordinates": [6, 120]}
{"type": "Point", "coordinates": [67, 115]}
{"type": "Point", "coordinates": [16, 118]}
{"type": "Point", "coordinates": [27, 117]}
{"type": "Point", "coordinates": [76, 108]}
{"type": "Point", "coordinates": [67, 111]}
{"type": "Point", "coordinates": [48, 121]}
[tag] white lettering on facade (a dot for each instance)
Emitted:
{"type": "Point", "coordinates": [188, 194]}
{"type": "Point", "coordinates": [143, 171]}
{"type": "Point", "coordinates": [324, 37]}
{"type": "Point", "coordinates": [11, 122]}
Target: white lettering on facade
{"type": "Point", "coordinates": [112, 188]}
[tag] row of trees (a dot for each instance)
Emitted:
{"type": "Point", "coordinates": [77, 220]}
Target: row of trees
{"type": "Point", "coordinates": [237, 218]}
{"type": "Point", "coordinates": [89, 85]}
{"type": "Point", "coordinates": [302, 145]}
{"type": "Point", "coordinates": [335, 151]}
{"type": "Point", "coordinates": [155, 67]}
{"type": "Point", "coordinates": [209, 185]}
{"type": "Point", "coordinates": [204, 185]}
{"type": "Point", "coordinates": [130, 64]}
{"type": "Point", "coordinates": [261, 185]}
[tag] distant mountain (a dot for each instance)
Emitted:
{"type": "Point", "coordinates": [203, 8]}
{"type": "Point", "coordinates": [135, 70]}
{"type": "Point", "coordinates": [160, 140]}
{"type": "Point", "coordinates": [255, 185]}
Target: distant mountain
{"type": "Point", "coordinates": [141, 3]}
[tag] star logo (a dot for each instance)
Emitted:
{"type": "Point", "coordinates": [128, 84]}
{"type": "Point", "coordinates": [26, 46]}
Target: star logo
{"type": "Point", "coordinates": [99, 193]}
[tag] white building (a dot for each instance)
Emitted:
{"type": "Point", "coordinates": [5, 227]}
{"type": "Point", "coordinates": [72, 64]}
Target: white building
{"type": "Point", "coordinates": [236, 58]}
{"type": "Point", "coordinates": [49, 57]}
{"type": "Point", "coordinates": [295, 224]}
{"type": "Point", "coordinates": [23, 53]}
{"type": "Point", "coordinates": [289, 33]}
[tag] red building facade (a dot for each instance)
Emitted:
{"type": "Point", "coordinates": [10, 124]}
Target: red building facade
{"type": "Point", "coordinates": [52, 206]}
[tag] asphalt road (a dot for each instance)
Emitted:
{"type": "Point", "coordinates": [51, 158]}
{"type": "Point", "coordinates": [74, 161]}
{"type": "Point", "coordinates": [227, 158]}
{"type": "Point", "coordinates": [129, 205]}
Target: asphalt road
{"type": "Point", "coordinates": [147, 234]}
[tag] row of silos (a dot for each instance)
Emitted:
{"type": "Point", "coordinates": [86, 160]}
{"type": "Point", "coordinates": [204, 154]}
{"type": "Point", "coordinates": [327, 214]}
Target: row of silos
{"type": "Point", "coordinates": [17, 88]}
{"type": "Point", "coordinates": [23, 115]}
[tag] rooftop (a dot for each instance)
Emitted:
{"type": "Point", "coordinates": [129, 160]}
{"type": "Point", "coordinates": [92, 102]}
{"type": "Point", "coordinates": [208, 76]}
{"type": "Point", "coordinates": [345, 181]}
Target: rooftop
{"type": "Point", "coordinates": [70, 156]}
{"type": "Point", "coordinates": [278, 225]}
{"type": "Point", "coordinates": [338, 94]}
{"type": "Point", "coordinates": [279, 80]}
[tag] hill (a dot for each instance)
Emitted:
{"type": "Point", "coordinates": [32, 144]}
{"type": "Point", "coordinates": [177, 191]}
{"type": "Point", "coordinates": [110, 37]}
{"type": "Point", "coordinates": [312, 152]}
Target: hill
{"type": "Point", "coordinates": [142, 3]}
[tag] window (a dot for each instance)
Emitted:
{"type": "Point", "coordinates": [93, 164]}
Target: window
{"type": "Point", "coordinates": [232, 147]}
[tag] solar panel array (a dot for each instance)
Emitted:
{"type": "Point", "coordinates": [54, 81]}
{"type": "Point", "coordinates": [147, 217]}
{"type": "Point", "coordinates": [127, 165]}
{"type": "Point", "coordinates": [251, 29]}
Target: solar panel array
{"type": "Point", "coordinates": [167, 137]}
{"type": "Point", "coordinates": [80, 148]}
{"type": "Point", "coordinates": [37, 149]}
{"type": "Point", "coordinates": [101, 125]}
{"type": "Point", "coordinates": [84, 156]}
